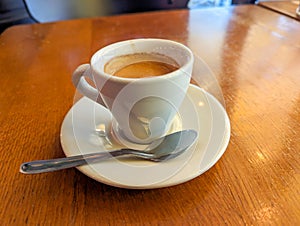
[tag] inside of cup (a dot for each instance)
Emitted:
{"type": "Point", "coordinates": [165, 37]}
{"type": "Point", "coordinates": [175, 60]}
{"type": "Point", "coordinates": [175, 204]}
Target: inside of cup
{"type": "Point", "coordinates": [169, 52]}
{"type": "Point", "coordinates": [119, 62]}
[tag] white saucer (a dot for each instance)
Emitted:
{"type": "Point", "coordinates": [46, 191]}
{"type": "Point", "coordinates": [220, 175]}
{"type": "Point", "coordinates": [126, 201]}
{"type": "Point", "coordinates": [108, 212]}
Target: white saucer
{"type": "Point", "coordinates": [200, 111]}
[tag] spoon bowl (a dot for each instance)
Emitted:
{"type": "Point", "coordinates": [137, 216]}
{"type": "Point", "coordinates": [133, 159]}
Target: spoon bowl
{"type": "Point", "coordinates": [162, 149]}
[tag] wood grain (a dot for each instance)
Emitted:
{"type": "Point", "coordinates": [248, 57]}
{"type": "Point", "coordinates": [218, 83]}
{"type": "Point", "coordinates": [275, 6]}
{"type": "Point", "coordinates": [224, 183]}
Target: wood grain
{"type": "Point", "coordinates": [253, 53]}
{"type": "Point", "coordinates": [287, 8]}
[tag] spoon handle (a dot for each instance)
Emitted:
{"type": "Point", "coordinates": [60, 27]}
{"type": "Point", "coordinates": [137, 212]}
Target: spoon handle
{"type": "Point", "coordinates": [43, 166]}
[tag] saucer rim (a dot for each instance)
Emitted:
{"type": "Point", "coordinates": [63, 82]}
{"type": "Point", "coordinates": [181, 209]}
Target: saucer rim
{"type": "Point", "coordinates": [223, 146]}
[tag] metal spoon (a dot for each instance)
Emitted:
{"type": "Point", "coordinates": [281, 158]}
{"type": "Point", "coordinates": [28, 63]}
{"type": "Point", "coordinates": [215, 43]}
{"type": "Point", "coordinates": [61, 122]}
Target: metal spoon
{"type": "Point", "coordinates": [164, 148]}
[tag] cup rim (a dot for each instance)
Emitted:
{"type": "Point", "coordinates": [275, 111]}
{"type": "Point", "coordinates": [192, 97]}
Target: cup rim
{"type": "Point", "coordinates": [151, 78]}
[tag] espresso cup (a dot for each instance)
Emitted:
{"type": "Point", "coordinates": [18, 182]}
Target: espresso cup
{"type": "Point", "coordinates": [142, 107]}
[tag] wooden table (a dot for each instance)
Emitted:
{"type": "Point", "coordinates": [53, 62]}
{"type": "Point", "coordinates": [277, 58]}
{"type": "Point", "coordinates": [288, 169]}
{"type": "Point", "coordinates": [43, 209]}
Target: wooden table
{"type": "Point", "coordinates": [287, 8]}
{"type": "Point", "coordinates": [254, 54]}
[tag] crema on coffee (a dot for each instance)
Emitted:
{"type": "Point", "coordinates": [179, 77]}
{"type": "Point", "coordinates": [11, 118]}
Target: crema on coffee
{"type": "Point", "coordinates": [140, 65]}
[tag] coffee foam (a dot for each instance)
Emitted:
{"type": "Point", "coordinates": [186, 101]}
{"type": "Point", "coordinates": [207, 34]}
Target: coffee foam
{"type": "Point", "coordinates": [115, 64]}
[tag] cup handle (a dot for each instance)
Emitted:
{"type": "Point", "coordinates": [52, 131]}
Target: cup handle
{"type": "Point", "coordinates": [79, 81]}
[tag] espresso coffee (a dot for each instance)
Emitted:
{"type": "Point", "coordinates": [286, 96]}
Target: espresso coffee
{"type": "Point", "coordinates": [140, 65]}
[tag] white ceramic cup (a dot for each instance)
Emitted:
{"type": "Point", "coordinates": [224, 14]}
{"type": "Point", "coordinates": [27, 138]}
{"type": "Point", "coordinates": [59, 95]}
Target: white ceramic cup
{"type": "Point", "coordinates": [143, 108]}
